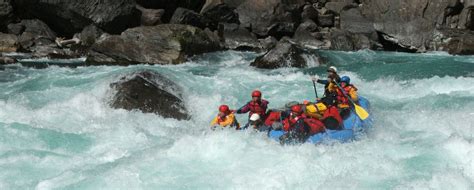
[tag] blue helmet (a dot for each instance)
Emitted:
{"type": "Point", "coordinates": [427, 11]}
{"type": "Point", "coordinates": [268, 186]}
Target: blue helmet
{"type": "Point", "coordinates": [346, 79]}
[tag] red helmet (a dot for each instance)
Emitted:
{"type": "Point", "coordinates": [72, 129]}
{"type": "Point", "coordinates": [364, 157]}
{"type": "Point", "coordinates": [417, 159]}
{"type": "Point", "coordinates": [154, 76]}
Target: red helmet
{"type": "Point", "coordinates": [256, 93]}
{"type": "Point", "coordinates": [224, 108]}
{"type": "Point", "coordinates": [296, 109]}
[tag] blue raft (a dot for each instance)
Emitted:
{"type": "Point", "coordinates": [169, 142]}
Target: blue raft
{"type": "Point", "coordinates": [353, 126]}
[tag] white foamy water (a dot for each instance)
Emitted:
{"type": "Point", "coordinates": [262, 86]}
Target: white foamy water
{"type": "Point", "coordinates": [58, 132]}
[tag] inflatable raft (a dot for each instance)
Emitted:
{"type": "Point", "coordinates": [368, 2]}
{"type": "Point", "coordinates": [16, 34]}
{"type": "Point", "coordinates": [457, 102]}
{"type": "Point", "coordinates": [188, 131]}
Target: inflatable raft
{"type": "Point", "coordinates": [353, 126]}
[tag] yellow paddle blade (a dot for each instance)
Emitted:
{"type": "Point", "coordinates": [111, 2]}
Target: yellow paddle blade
{"type": "Point", "coordinates": [361, 112]}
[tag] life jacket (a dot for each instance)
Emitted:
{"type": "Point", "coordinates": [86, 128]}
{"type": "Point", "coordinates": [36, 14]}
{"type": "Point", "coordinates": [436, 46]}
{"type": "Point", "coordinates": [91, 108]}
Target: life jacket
{"type": "Point", "coordinates": [290, 122]}
{"type": "Point", "coordinates": [256, 107]}
{"type": "Point", "coordinates": [315, 126]}
{"type": "Point", "coordinates": [342, 100]}
{"type": "Point", "coordinates": [234, 123]}
{"type": "Point", "coordinates": [331, 118]}
{"type": "Point", "coordinates": [272, 118]}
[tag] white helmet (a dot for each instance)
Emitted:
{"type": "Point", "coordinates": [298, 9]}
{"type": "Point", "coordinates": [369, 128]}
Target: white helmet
{"type": "Point", "coordinates": [332, 69]}
{"type": "Point", "coordinates": [254, 117]}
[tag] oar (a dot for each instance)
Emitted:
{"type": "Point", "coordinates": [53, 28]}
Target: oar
{"type": "Point", "coordinates": [315, 92]}
{"type": "Point", "coordinates": [360, 111]}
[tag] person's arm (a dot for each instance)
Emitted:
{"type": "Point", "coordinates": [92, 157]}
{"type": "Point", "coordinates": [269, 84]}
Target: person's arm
{"type": "Point", "coordinates": [244, 109]}
{"type": "Point", "coordinates": [229, 119]}
{"type": "Point", "coordinates": [322, 81]}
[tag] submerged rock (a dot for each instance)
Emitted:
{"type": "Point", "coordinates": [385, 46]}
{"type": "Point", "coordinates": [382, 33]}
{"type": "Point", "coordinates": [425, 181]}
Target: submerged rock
{"type": "Point", "coordinates": [161, 44]}
{"type": "Point", "coordinates": [149, 92]}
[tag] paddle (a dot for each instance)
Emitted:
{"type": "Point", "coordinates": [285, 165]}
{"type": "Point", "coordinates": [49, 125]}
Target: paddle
{"type": "Point", "coordinates": [359, 110]}
{"type": "Point", "coordinates": [315, 92]}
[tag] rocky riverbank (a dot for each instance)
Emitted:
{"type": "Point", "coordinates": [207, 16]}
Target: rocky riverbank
{"type": "Point", "coordinates": [169, 32]}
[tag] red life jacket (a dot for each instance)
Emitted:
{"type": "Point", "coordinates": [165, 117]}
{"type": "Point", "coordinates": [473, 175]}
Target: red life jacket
{"type": "Point", "coordinates": [341, 98]}
{"type": "Point", "coordinates": [272, 118]}
{"type": "Point", "coordinates": [289, 122]}
{"type": "Point", "coordinates": [315, 126]}
{"type": "Point", "coordinates": [257, 108]}
{"type": "Point", "coordinates": [332, 113]}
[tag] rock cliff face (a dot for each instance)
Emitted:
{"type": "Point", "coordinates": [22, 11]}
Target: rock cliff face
{"type": "Point", "coordinates": [402, 25]}
{"type": "Point", "coordinates": [162, 44]}
{"type": "Point", "coordinates": [67, 17]}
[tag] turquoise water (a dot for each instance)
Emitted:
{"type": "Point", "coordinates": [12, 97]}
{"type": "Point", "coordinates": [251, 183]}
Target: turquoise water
{"type": "Point", "coordinates": [58, 132]}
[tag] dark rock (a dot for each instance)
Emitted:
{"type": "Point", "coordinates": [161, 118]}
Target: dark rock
{"type": "Point", "coordinates": [161, 44]}
{"type": "Point", "coordinates": [236, 37]}
{"type": "Point", "coordinates": [150, 92]}
{"type": "Point", "coordinates": [305, 35]}
{"type": "Point", "coordinates": [220, 14]}
{"type": "Point", "coordinates": [6, 60]}
{"type": "Point", "coordinates": [326, 20]}
{"type": "Point", "coordinates": [338, 6]}
{"type": "Point", "coordinates": [270, 17]}
{"type": "Point", "coordinates": [285, 54]}
{"type": "Point", "coordinates": [16, 28]}
{"type": "Point", "coordinates": [454, 41]}
{"type": "Point", "coordinates": [341, 40]}
{"type": "Point", "coordinates": [8, 43]}
{"type": "Point", "coordinates": [309, 13]}
{"type": "Point", "coordinates": [151, 17]}
{"type": "Point", "coordinates": [189, 17]}
{"type": "Point", "coordinates": [268, 43]}
{"type": "Point", "coordinates": [6, 12]}
{"type": "Point", "coordinates": [408, 23]}
{"type": "Point", "coordinates": [171, 5]}
{"type": "Point", "coordinates": [68, 17]}
{"type": "Point", "coordinates": [36, 32]}
{"type": "Point", "coordinates": [353, 21]}
{"type": "Point", "coordinates": [89, 35]}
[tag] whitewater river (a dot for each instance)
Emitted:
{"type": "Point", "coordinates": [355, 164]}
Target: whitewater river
{"type": "Point", "coordinates": [58, 132]}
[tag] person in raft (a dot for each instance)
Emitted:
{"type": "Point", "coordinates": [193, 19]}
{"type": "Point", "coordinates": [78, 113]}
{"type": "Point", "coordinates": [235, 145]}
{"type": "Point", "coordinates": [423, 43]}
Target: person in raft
{"type": "Point", "coordinates": [225, 118]}
{"type": "Point", "coordinates": [257, 123]}
{"type": "Point", "coordinates": [299, 127]}
{"type": "Point", "coordinates": [331, 78]}
{"type": "Point", "coordinates": [256, 105]}
{"type": "Point", "coordinates": [346, 91]}
{"type": "Point", "coordinates": [325, 111]}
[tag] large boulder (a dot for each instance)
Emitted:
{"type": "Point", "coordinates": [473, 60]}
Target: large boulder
{"type": "Point", "coordinates": [407, 23]}
{"type": "Point", "coordinates": [189, 17]}
{"type": "Point", "coordinates": [271, 17]}
{"type": "Point", "coordinates": [6, 12]}
{"type": "Point", "coordinates": [89, 35]}
{"type": "Point", "coordinates": [306, 35]}
{"type": "Point", "coordinates": [151, 17]}
{"type": "Point", "coordinates": [236, 37]}
{"type": "Point", "coordinates": [150, 92]}
{"type": "Point", "coordinates": [161, 44]}
{"type": "Point", "coordinates": [337, 6]}
{"type": "Point", "coordinates": [171, 5]}
{"type": "Point", "coordinates": [68, 17]}
{"type": "Point", "coordinates": [221, 13]}
{"type": "Point", "coordinates": [454, 41]}
{"type": "Point", "coordinates": [285, 54]}
{"type": "Point", "coordinates": [35, 33]}
{"type": "Point", "coordinates": [8, 43]}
